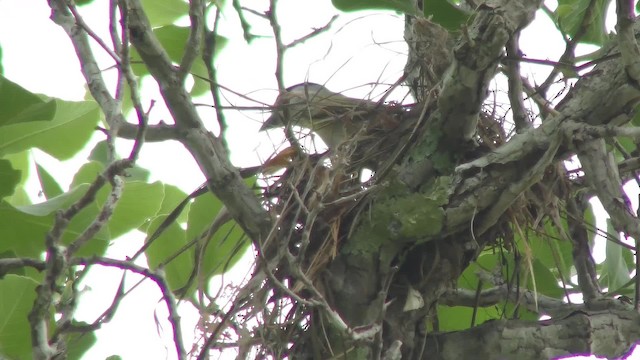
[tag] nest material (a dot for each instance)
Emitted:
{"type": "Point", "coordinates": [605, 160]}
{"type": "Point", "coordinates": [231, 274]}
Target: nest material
{"type": "Point", "coordinates": [316, 202]}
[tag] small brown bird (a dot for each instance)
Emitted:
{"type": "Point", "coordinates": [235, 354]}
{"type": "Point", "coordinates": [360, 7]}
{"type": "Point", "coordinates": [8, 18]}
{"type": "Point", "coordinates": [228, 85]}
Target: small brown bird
{"type": "Point", "coordinates": [334, 117]}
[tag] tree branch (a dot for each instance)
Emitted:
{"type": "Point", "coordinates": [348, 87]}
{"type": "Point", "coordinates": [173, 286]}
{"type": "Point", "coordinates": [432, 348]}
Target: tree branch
{"type": "Point", "coordinates": [608, 333]}
{"type": "Point", "coordinates": [209, 151]}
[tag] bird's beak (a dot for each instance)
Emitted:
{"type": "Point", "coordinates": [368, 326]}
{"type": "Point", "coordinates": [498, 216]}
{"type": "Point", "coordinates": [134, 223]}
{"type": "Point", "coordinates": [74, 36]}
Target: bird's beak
{"type": "Point", "coordinates": [274, 121]}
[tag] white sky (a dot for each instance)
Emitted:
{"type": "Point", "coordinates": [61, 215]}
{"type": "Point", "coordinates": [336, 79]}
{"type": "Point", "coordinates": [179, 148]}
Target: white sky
{"type": "Point", "coordinates": [38, 55]}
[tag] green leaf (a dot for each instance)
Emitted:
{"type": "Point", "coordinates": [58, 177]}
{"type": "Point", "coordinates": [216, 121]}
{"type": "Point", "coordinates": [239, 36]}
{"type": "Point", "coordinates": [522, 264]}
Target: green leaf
{"type": "Point", "coordinates": [445, 14]}
{"type": "Point", "coordinates": [9, 178]}
{"type": "Point", "coordinates": [99, 153]}
{"type": "Point", "coordinates": [485, 263]}
{"type": "Point", "coordinates": [549, 248]}
{"type": "Point", "coordinates": [164, 12]}
{"type": "Point", "coordinates": [79, 343]}
{"type": "Point", "coordinates": [225, 247]}
{"type": "Point", "coordinates": [459, 317]}
{"type": "Point", "coordinates": [18, 105]}
{"type": "Point", "coordinates": [583, 16]}
{"type": "Point", "coordinates": [614, 265]}
{"type": "Point", "coordinates": [635, 121]}
{"type": "Point", "coordinates": [404, 6]}
{"type": "Point", "coordinates": [87, 173]}
{"type": "Point", "coordinates": [50, 186]}
{"type": "Point", "coordinates": [15, 271]}
{"type": "Point", "coordinates": [545, 281]}
{"type": "Point", "coordinates": [590, 224]}
{"type": "Point", "coordinates": [172, 197]}
{"type": "Point", "coordinates": [164, 251]}
{"type": "Point", "coordinates": [174, 39]}
{"type": "Point", "coordinates": [23, 228]}
{"type": "Point", "coordinates": [22, 162]}
{"type": "Point", "coordinates": [17, 294]}
{"type": "Point", "coordinates": [62, 137]}
{"type": "Point", "coordinates": [139, 202]}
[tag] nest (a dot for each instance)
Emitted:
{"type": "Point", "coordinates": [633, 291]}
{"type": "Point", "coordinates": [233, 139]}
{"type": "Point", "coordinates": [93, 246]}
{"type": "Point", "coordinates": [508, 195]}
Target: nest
{"type": "Point", "coordinates": [318, 197]}
{"type": "Point", "coordinates": [316, 202]}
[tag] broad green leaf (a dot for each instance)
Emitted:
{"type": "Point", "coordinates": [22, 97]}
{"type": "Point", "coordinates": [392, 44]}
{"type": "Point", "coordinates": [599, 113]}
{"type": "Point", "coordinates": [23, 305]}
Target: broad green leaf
{"type": "Point", "coordinates": [9, 178]}
{"type": "Point", "coordinates": [583, 16]}
{"type": "Point", "coordinates": [614, 264]}
{"type": "Point", "coordinates": [164, 12]}
{"type": "Point", "coordinates": [23, 228]}
{"type": "Point", "coordinates": [166, 251]}
{"type": "Point", "coordinates": [627, 144]}
{"type": "Point", "coordinates": [635, 121]}
{"type": "Point", "coordinates": [57, 203]}
{"type": "Point", "coordinates": [99, 155]}
{"type": "Point", "coordinates": [62, 137]}
{"type": "Point", "coordinates": [404, 6]}
{"type": "Point", "coordinates": [18, 105]}
{"type": "Point", "coordinates": [15, 271]}
{"type": "Point", "coordinates": [485, 263]}
{"type": "Point", "coordinates": [459, 317]}
{"type": "Point", "coordinates": [50, 186]}
{"type": "Point", "coordinates": [87, 173]}
{"type": "Point", "coordinates": [17, 294]}
{"type": "Point", "coordinates": [225, 247]}
{"type": "Point", "coordinates": [20, 161]}
{"type": "Point", "coordinates": [549, 247]}
{"type": "Point", "coordinates": [174, 39]}
{"type": "Point", "coordinates": [79, 343]}
{"type": "Point", "coordinates": [172, 197]}
{"type": "Point", "coordinates": [545, 282]}
{"type": "Point", "coordinates": [511, 311]}
{"type": "Point", "coordinates": [445, 14]}
{"type": "Point", "coordinates": [139, 202]}
{"type": "Point", "coordinates": [590, 223]}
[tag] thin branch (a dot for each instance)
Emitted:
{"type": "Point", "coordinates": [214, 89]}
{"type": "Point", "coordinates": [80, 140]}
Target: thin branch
{"type": "Point", "coordinates": [314, 33]}
{"type": "Point", "coordinates": [116, 42]}
{"type": "Point", "coordinates": [8, 264]}
{"type": "Point", "coordinates": [62, 16]}
{"type": "Point", "coordinates": [520, 116]}
{"type": "Point", "coordinates": [163, 286]}
{"type": "Point", "coordinates": [514, 190]}
{"type": "Point", "coordinates": [497, 295]}
{"type": "Point", "coordinates": [194, 42]}
{"type": "Point", "coordinates": [582, 258]}
{"type": "Point", "coordinates": [107, 208]}
{"type": "Point", "coordinates": [208, 56]}
{"type": "Point", "coordinates": [80, 22]}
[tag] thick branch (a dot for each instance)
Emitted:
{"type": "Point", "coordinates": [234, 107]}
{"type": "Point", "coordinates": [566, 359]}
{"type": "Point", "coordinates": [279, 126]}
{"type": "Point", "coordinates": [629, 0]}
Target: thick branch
{"type": "Point", "coordinates": [604, 333]}
{"type": "Point", "coordinates": [208, 150]}
{"type": "Point", "coordinates": [475, 61]}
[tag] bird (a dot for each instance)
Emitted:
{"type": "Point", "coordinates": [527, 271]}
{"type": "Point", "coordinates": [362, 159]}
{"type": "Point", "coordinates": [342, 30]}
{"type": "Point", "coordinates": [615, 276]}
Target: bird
{"type": "Point", "coordinates": [332, 116]}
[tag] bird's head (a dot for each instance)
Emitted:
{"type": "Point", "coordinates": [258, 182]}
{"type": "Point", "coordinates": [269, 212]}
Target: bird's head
{"type": "Point", "coordinates": [334, 117]}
